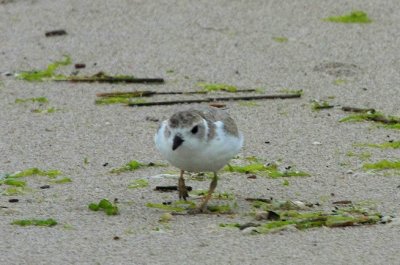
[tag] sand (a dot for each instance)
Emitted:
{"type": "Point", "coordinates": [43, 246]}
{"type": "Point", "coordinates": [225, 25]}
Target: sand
{"type": "Point", "coordinates": [187, 42]}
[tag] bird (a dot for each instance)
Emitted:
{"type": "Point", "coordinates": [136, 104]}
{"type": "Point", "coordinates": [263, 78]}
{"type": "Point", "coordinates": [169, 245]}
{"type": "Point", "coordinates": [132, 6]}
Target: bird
{"type": "Point", "coordinates": [199, 139]}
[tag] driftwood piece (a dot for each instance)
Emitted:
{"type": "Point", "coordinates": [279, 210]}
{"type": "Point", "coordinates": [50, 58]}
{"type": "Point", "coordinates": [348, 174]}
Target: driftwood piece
{"type": "Point", "coordinates": [358, 110]}
{"type": "Point", "coordinates": [172, 102]}
{"type": "Point", "coordinates": [170, 188]}
{"type": "Point", "coordinates": [58, 32]}
{"type": "Point", "coordinates": [146, 93]}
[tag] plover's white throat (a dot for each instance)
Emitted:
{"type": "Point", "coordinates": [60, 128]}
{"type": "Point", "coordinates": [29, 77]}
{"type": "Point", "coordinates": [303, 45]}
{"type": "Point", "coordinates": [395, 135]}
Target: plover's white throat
{"type": "Point", "coordinates": [197, 140]}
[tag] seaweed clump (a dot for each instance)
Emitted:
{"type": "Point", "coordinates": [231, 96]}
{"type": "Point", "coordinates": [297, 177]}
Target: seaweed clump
{"type": "Point", "coordinates": [353, 17]}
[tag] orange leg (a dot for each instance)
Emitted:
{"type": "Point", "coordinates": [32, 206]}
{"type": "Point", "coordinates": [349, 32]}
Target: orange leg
{"type": "Point", "coordinates": [213, 185]}
{"type": "Point", "coordinates": [183, 194]}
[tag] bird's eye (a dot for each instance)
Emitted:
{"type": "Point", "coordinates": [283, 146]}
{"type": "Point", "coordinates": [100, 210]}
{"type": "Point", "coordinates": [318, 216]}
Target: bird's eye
{"type": "Point", "coordinates": [195, 129]}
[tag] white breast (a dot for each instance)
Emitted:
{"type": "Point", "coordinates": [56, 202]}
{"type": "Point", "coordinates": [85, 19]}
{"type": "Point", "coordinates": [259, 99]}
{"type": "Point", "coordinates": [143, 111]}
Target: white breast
{"type": "Point", "coordinates": [205, 156]}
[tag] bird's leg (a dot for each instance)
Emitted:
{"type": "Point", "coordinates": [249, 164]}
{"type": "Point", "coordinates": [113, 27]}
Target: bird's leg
{"type": "Point", "coordinates": [183, 194]}
{"type": "Point", "coordinates": [213, 185]}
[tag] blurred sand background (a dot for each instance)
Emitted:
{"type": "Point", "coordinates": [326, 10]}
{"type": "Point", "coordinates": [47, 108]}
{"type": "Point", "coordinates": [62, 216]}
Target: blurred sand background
{"type": "Point", "coordinates": [187, 42]}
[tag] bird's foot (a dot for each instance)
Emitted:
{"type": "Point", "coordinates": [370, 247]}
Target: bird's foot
{"type": "Point", "coordinates": [183, 193]}
{"type": "Point", "coordinates": [198, 210]}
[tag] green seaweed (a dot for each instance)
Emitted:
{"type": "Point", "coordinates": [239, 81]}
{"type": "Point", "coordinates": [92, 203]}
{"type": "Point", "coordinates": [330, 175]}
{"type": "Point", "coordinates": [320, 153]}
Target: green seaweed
{"type": "Point", "coordinates": [42, 107]}
{"type": "Point", "coordinates": [274, 205]}
{"type": "Point", "coordinates": [382, 165]}
{"type": "Point", "coordinates": [386, 145]}
{"type": "Point", "coordinates": [395, 126]}
{"type": "Point", "coordinates": [273, 226]}
{"type": "Point", "coordinates": [138, 183]}
{"type": "Point", "coordinates": [362, 117]}
{"type": "Point", "coordinates": [39, 100]}
{"type": "Point", "coordinates": [94, 207]}
{"type": "Point", "coordinates": [215, 195]}
{"type": "Point", "coordinates": [165, 207]}
{"type": "Point", "coordinates": [130, 166]}
{"type": "Point", "coordinates": [285, 182]}
{"type": "Point", "coordinates": [226, 208]}
{"type": "Point", "coordinates": [14, 182]}
{"type": "Point", "coordinates": [48, 110]}
{"type": "Point", "coordinates": [319, 105]}
{"type": "Point", "coordinates": [35, 171]}
{"type": "Point", "coordinates": [176, 206]}
{"type": "Point", "coordinates": [46, 74]}
{"type": "Point", "coordinates": [119, 100]}
{"type": "Point", "coordinates": [391, 122]}
{"type": "Point", "coordinates": [339, 82]}
{"type": "Point", "coordinates": [134, 165]}
{"type": "Point", "coordinates": [207, 87]}
{"type": "Point", "coordinates": [362, 156]}
{"type": "Point", "coordinates": [230, 225]}
{"type": "Point", "coordinates": [280, 39]}
{"type": "Point", "coordinates": [340, 217]}
{"type": "Point", "coordinates": [248, 169]}
{"type": "Point", "coordinates": [106, 206]}
{"type": "Point", "coordinates": [353, 17]}
{"type": "Point", "coordinates": [11, 191]}
{"type": "Point", "coordinates": [35, 222]}
{"type": "Point", "coordinates": [62, 180]}
{"type": "Point", "coordinates": [112, 100]}
{"type": "Point", "coordinates": [269, 170]}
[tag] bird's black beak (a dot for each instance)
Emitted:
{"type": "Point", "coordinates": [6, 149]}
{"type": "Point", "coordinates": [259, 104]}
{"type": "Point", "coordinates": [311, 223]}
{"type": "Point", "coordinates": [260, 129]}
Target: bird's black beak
{"type": "Point", "coordinates": [177, 142]}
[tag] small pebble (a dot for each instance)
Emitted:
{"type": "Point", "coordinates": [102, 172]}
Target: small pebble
{"type": "Point", "coordinates": [316, 143]}
{"type": "Point", "coordinates": [80, 65]}
{"type": "Point", "coordinates": [300, 204]}
{"type": "Point", "coordinates": [249, 231]}
{"type": "Point", "coordinates": [58, 32]}
{"type": "Point", "coordinates": [386, 219]}
{"type": "Point", "coordinates": [165, 218]}
{"type": "Point", "coordinates": [246, 225]}
{"type": "Point", "coordinates": [261, 215]}
{"type": "Point", "coordinates": [349, 172]}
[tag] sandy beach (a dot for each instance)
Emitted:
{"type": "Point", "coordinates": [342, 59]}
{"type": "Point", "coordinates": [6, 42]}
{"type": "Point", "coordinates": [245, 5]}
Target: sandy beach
{"type": "Point", "coordinates": [273, 46]}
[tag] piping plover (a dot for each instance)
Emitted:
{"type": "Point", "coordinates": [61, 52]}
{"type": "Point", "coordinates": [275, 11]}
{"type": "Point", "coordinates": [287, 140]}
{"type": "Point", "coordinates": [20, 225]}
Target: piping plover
{"type": "Point", "coordinates": [201, 139]}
